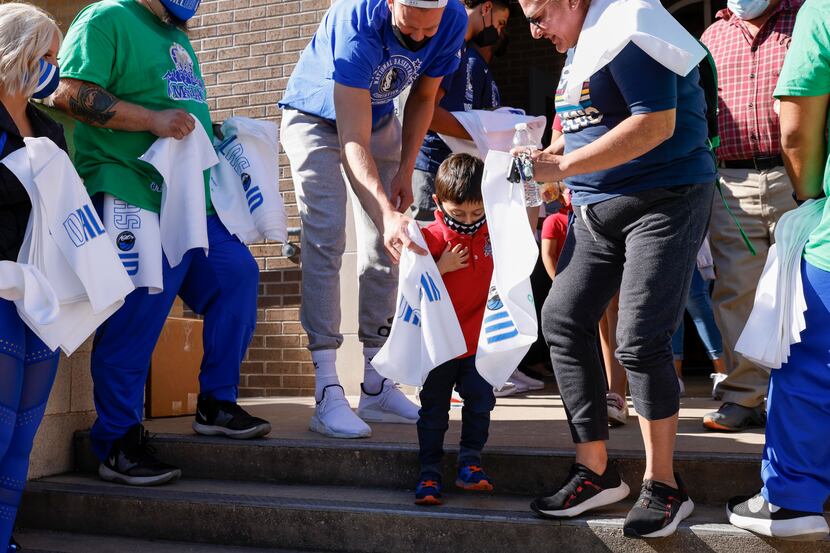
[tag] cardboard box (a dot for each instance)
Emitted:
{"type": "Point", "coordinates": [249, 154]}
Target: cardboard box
{"type": "Point", "coordinates": [173, 386]}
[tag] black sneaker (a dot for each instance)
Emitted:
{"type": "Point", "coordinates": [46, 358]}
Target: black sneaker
{"type": "Point", "coordinates": [758, 515]}
{"type": "Point", "coordinates": [583, 490]}
{"type": "Point", "coordinates": [215, 417]}
{"type": "Point", "coordinates": [732, 417]}
{"type": "Point", "coordinates": [658, 510]}
{"type": "Point", "coordinates": [132, 461]}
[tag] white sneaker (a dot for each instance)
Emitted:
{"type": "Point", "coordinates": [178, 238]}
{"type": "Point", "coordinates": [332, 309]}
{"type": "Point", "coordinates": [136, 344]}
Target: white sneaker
{"type": "Point", "coordinates": [717, 378]}
{"type": "Point", "coordinates": [617, 409]}
{"type": "Point", "coordinates": [682, 386]}
{"type": "Point", "coordinates": [333, 416]}
{"type": "Point", "coordinates": [388, 405]}
{"type": "Point", "coordinates": [507, 390]}
{"type": "Point", "coordinates": [518, 377]}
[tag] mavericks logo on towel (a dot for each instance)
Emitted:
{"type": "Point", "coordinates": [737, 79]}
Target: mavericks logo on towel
{"type": "Point", "coordinates": [409, 314]}
{"type": "Point", "coordinates": [236, 158]}
{"type": "Point", "coordinates": [124, 217]}
{"type": "Point", "coordinates": [429, 288]}
{"type": "Point", "coordinates": [82, 226]}
{"type": "Point", "coordinates": [498, 326]}
{"type": "Point", "coordinates": [182, 82]}
{"type": "Point", "coordinates": [392, 77]}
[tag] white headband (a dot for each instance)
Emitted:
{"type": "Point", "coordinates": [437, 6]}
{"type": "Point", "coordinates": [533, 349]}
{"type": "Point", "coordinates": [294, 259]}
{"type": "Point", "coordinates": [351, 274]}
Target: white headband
{"type": "Point", "coordinates": [424, 3]}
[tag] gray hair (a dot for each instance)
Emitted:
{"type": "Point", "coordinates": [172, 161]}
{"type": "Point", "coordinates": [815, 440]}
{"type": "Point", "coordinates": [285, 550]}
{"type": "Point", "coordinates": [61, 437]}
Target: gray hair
{"type": "Point", "coordinates": [26, 33]}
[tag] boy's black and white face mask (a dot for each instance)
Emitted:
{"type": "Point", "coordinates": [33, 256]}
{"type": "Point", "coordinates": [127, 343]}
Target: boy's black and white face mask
{"type": "Point", "coordinates": [458, 226]}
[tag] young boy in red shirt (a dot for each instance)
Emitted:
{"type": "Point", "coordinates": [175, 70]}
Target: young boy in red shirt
{"type": "Point", "coordinates": [460, 243]}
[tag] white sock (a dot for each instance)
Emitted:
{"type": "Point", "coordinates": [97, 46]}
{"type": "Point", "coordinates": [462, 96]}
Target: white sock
{"type": "Point", "coordinates": [325, 370]}
{"type": "Point", "coordinates": [372, 381]}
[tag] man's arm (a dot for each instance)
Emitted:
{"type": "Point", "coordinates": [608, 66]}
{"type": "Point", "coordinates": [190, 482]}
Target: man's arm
{"type": "Point", "coordinates": [354, 128]}
{"type": "Point", "coordinates": [633, 137]}
{"type": "Point", "coordinates": [444, 122]}
{"type": "Point", "coordinates": [804, 142]}
{"type": "Point", "coordinates": [417, 117]}
{"type": "Point", "coordinates": [93, 105]}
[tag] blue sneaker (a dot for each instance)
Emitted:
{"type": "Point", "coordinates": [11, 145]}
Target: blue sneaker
{"type": "Point", "coordinates": [428, 492]}
{"type": "Point", "coordinates": [473, 477]}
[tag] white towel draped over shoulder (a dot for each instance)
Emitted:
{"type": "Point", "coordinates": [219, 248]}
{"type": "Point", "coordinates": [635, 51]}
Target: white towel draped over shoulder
{"type": "Point", "coordinates": [608, 28]}
{"type": "Point", "coordinates": [182, 163]}
{"type": "Point", "coordinates": [777, 317]}
{"type": "Point", "coordinates": [244, 185]}
{"type": "Point", "coordinates": [510, 325]}
{"type": "Point", "coordinates": [492, 130]}
{"type": "Point", "coordinates": [66, 242]}
{"type": "Point", "coordinates": [425, 332]}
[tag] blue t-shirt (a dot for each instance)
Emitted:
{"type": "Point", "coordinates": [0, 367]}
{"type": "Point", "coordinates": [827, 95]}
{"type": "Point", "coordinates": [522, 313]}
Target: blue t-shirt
{"type": "Point", "coordinates": [355, 46]}
{"type": "Point", "coordinates": [634, 83]}
{"type": "Point", "coordinates": [470, 87]}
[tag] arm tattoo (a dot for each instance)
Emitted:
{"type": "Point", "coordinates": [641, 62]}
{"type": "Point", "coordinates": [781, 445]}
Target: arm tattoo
{"type": "Point", "coordinates": [92, 104]}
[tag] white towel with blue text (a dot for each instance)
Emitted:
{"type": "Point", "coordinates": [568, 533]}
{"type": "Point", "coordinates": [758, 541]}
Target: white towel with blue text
{"type": "Point", "coordinates": [425, 332]}
{"type": "Point", "coordinates": [510, 325]}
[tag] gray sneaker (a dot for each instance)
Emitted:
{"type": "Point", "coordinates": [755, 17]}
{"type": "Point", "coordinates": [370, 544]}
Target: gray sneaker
{"type": "Point", "coordinates": [732, 417]}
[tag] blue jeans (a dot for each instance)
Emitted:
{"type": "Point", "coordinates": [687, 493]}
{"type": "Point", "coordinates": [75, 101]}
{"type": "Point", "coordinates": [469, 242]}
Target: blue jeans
{"type": "Point", "coordinates": [796, 464]}
{"type": "Point", "coordinates": [222, 286]}
{"type": "Point", "coordinates": [699, 306]}
{"type": "Point", "coordinates": [435, 414]}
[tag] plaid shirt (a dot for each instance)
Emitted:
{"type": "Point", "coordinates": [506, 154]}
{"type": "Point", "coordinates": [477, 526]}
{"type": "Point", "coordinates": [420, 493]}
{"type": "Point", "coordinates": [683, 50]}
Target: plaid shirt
{"type": "Point", "coordinates": [747, 73]}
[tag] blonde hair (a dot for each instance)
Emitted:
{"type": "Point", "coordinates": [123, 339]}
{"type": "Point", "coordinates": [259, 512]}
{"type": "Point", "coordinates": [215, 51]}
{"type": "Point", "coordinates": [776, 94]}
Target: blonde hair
{"type": "Point", "coordinates": [26, 33]}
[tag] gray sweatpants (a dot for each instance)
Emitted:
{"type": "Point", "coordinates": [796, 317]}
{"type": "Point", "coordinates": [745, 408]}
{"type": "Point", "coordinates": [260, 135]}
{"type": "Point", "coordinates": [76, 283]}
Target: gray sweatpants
{"type": "Point", "coordinates": [644, 245]}
{"type": "Point", "coordinates": [321, 185]}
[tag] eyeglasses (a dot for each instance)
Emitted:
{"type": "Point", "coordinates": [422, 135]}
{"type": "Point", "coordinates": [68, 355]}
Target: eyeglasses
{"type": "Point", "coordinates": [536, 19]}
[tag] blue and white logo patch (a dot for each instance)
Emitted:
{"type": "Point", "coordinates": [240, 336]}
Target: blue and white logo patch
{"type": "Point", "coordinates": [182, 82]}
{"type": "Point", "coordinates": [498, 325]}
{"type": "Point", "coordinates": [392, 77]}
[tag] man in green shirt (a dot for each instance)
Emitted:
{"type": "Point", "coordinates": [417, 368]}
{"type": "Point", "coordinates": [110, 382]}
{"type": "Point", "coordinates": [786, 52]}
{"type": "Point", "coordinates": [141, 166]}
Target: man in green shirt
{"type": "Point", "coordinates": [796, 464]}
{"type": "Point", "coordinates": [130, 76]}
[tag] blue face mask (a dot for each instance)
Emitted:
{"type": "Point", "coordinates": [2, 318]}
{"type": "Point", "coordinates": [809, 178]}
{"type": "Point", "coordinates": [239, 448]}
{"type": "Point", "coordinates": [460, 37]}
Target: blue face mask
{"type": "Point", "coordinates": [182, 9]}
{"type": "Point", "coordinates": [48, 78]}
{"type": "Point", "coordinates": [747, 9]}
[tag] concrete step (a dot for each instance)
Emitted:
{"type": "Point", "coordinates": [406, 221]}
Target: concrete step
{"type": "Point", "coordinates": [710, 477]}
{"type": "Point", "coordinates": [353, 519]}
{"type": "Point", "coordinates": [43, 541]}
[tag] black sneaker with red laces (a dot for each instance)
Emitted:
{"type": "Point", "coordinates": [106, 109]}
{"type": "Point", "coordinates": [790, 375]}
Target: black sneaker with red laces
{"type": "Point", "coordinates": [658, 511]}
{"type": "Point", "coordinates": [583, 490]}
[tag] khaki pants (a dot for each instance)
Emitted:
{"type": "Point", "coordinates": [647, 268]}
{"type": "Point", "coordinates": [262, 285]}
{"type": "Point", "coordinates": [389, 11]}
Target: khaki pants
{"type": "Point", "coordinates": [758, 200]}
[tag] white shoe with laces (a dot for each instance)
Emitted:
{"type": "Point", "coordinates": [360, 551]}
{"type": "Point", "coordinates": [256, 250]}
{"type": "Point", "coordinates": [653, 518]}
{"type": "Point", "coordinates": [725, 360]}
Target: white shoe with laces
{"type": "Point", "coordinates": [333, 416]}
{"type": "Point", "coordinates": [617, 409]}
{"type": "Point", "coordinates": [388, 405]}
{"type": "Point", "coordinates": [508, 389]}
{"type": "Point", "coordinates": [521, 380]}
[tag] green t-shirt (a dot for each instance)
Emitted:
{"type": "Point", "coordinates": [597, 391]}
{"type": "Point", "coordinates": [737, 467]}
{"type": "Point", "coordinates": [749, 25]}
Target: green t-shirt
{"type": "Point", "coordinates": [122, 47]}
{"type": "Point", "coordinates": [806, 72]}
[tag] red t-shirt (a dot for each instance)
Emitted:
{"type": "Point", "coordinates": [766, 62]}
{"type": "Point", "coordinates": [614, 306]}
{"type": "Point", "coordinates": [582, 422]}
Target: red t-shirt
{"type": "Point", "coordinates": [468, 287]}
{"type": "Point", "coordinates": [557, 124]}
{"type": "Point", "coordinates": [555, 227]}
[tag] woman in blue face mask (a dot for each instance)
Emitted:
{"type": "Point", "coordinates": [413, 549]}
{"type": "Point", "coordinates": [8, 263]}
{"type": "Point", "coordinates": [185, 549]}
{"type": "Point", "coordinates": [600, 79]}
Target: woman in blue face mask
{"type": "Point", "coordinates": [29, 42]}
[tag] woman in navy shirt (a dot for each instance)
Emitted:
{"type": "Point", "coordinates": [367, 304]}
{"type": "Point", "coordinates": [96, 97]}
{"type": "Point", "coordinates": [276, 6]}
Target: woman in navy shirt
{"type": "Point", "coordinates": [637, 161]}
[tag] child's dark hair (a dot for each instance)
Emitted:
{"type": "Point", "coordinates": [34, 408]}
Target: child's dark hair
{"type": "Point", "coordinates": [496, 3]}
{"type": "Point", "coordinates": [459, 179]}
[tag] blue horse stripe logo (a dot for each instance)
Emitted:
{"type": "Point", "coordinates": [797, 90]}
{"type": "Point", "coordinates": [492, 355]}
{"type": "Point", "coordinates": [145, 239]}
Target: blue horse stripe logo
{"type": "Point", "coordinates": [499, 327]}
{"type": "Point", "coordinates": [429, 288]}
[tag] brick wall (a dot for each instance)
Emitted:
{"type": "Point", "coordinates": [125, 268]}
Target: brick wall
{"type": "Point", "coordinates": [247, 50]}
{"type": "Point", "coordinates": [62, 10]}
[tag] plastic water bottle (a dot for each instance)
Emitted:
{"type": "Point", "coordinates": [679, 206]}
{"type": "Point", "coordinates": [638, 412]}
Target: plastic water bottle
{"type": "Point", "coordinates": [523, 141]}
